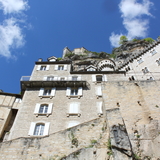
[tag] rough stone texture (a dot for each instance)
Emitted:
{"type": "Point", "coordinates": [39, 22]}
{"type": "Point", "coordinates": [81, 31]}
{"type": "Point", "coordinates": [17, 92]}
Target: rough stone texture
{"type": "Point", "coordinates": [140, 108]}
{"type": "Point", "coordinates": [120, 142]}
{"type": "Point", "coordinates": [88, 136]}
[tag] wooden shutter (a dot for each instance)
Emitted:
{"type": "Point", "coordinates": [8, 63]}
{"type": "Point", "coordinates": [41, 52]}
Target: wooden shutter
{"type": "Point", "coordinates": [56, 67]}
{"type": "Point", "coordinates": [99, 91]}
{"type": "Point", "coordinates": [47, 67]}
{"type": "Point", "coordinates": [80, 90]}
{"type": "Point", "coordinates": [36, 110]}
{"type": "Point", "coordinates": [46, 129]}
{"type": "Point", "coordinates": [55, 78]}
{"type": "Point", "coordinates": [104, 78]}
{"type": "Point", "coordinates": [70, 78]}
{"type": "Point", "coordinates": [53, 91]}
{"type": "Point", "coordinates": [99, 107]}
{"type": "Point", "coordinates": [38, 67]}
{"type": "Point", "coordinates": [32, 127]}
{"type": "Point", "coordinates": [41, 92]}
{"type": "Point", "coordinates": [73, 109]}
{"type": "Point", "coordinates": [68, 92]}
{"type": "Point", "coordinates": [50, 108]}
{"type": "Point", "coordinates": [65, 67]}
{"type": "Point", "coordinates": [44, 78]}
{"type": "Point", "coordinates": [78, 78]}
{"type": "Point", "coordinates": [94, 78]}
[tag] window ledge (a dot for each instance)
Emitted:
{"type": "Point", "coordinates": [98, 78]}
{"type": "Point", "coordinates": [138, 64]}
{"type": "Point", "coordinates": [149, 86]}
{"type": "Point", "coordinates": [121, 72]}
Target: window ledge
{"type": "Point", "coordinates": [99, 96]}
{"type": "Point", "coordinates": [73, 114]}
{"type": "Point", "coordinates": [74, 96]}
{"type": "Point", "coordinates": [43, 96]}
{"type": "Point", "coordinates": [100, 114]}
{"type": "Point", "coordinates": [42, 114]}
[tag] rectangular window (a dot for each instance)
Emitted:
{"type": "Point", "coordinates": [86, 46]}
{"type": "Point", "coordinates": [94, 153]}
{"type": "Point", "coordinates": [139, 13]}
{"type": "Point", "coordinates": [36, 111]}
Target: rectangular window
{"type": "Point", "coordinates": [74, 92]}
{"type": "Point", "coordinates": [74, 78]}
{"type": "Point", "coordinates": [50, 78]}
{"type": "Point", "coordinates": [153, 52]}
{"type": "Point", "coordinates": [47, 92]}
{"type": "Point", "coordinates": [140, 61]}
{"type": "Point", "coordinates": [60, 67]}
{"type": "Point", "coordinates": [99, 78]}
{"type": "Point", "coordinates": [145, 70]}
{"type": "Point", "coordinates": [158, 61]}
{"type": "Point", "coordinates": [43, 67]}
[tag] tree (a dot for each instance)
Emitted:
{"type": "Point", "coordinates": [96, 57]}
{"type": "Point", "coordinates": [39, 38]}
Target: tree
{"type": "Point", "coordinates": [150, 40]}
{"type": "Point", "coordinates": [123, 39]}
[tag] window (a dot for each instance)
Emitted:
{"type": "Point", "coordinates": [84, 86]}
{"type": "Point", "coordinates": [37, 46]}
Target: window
{"type": "Point", "coordinates": [43, 109]}
{"type": "Point", "coordinates": [99, 78]}
{"type": "Point", "coordinates": [39, 129]}
{"type": "Point", "coordinates": [60, 67]}
{"type": "Point", "coordinates": [98, 91]}
{"type": "Point", "coordinates": [50, 78]}
{"type": "Point", "coordinates": [150, 79]}
{"type": "Point", "coordinates": [153, 52]}
{"type": "Point", "coordinates": [131, 78]}
{"type": "Point", "coordinates": [158, 61]}
{"type": "Point", "coordinates": [145, 70]}
{"type": "Point", "coordinates": [74, 109]}
{"type": "Point", "coordinates": [62, 78]}
{"type": "Point", "coordinates": [43, 67]}
{"type": "Point", "coordinates": [48, 92]}
{"type": "Point", "coordinates": [74, 78]}
{"type": "Point", "coordinates": [140, 61]}
{"type": "Point", "coordinates": [74, 92]}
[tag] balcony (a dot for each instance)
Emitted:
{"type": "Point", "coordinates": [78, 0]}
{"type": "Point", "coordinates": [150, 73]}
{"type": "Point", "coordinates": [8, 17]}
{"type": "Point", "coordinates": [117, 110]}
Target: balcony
{"type": "Point", "coordinates": [26, 82]}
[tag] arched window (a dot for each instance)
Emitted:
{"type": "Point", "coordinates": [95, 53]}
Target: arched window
{"type": "Point", "coordinates": [39, 129]}
{"type": "Point", "coordinates": [43, 108]}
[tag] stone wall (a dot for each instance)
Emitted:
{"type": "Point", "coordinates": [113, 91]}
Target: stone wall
{"type": "Point", "coordinates": [139, 107]}
{"type": "Point", "coordinates": [85, 140]}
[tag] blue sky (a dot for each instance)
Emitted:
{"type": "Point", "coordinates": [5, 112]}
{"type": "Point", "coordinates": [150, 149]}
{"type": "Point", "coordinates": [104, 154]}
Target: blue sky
{"type": "Point", "coordinates": [42, 28]}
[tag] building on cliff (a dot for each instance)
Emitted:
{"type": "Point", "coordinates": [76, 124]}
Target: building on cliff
{"type": "Point", "coordinates": [86, 106]}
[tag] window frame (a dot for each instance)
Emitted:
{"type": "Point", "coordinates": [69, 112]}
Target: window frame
{"type": "Point", "coordinates": [77, 90]}
{"type": "Point", "coordinates": [33, 127]}
{"type": "Point", "coordinates": [50, 92]}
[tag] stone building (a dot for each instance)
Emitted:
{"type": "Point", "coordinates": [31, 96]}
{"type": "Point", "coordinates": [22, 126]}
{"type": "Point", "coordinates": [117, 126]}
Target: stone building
{"type": "Point", "coordinates": [88, 106]}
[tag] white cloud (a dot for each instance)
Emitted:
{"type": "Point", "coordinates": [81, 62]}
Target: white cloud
{"type": "Point", "coordinates": [10, 37]}
{"type": "Point", "coordinates": [133, 13]}
{"type": "Point", "coordinates": [13, 6]}
{"type": "Point", "coordinates": [131, 9]}
{"type": "Point", "coordinates": [136, 28]}
{"type": "Point", "coordinates": [114, 39]}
